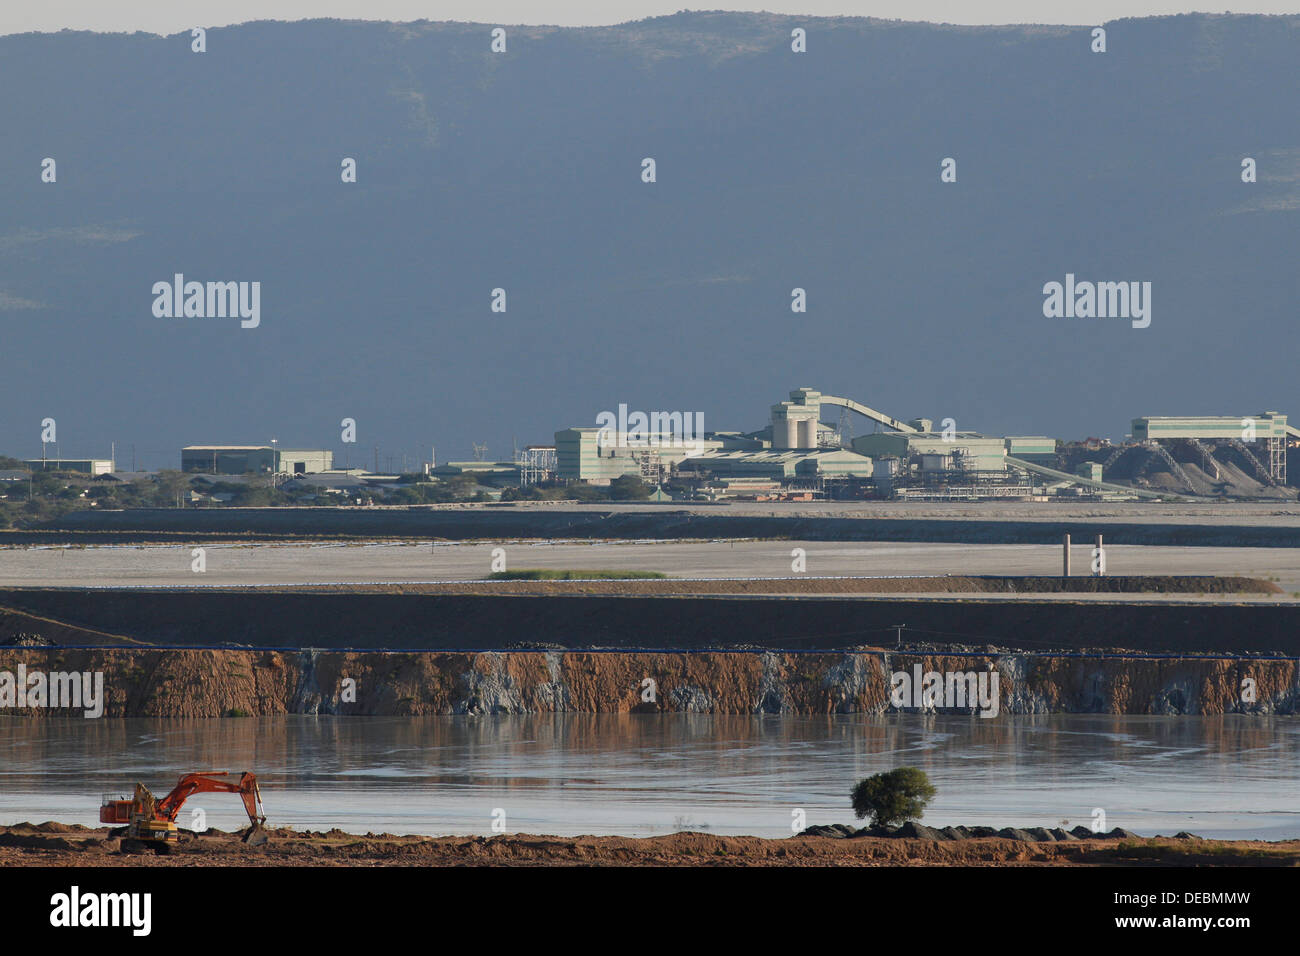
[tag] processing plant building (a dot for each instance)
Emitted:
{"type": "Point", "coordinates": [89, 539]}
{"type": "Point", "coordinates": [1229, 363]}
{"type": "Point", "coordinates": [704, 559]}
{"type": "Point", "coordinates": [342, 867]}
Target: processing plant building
{"type": "Point", "coordinates": [936, 451]}
{"type": "Point", "coordinates": [782, 464]}
{"type": "Point", "coordinates": [1268, 428]}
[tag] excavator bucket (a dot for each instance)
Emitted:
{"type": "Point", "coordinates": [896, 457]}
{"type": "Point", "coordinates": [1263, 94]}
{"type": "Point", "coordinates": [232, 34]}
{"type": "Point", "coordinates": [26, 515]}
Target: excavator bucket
{"type": "Point", "coordinates": [256, 835]}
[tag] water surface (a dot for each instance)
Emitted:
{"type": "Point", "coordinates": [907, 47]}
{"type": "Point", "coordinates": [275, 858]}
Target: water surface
{"type": "Point", "coordinates": [1228, 777]}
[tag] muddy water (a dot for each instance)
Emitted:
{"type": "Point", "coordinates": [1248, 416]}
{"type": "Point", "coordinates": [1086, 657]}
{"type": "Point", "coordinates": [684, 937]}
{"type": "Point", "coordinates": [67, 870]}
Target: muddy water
{"type": "Point", "coordinates": [639, 775]}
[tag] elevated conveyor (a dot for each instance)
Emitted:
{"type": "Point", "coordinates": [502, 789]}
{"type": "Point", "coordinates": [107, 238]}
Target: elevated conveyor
{"type": "Point", "coordinates": [1089, 483]}
{"type": "Point", "coordinates": [871, 413]}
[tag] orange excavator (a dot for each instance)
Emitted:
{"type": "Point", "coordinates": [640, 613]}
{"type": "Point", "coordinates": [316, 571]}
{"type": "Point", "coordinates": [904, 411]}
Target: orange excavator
{"type": "Point", "coordinates": [151, 823]}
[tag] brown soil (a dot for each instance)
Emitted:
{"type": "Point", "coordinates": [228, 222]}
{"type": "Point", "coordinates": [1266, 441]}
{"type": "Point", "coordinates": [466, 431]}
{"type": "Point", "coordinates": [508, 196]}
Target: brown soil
{"type": "Point", "coordinates": [55, 844]}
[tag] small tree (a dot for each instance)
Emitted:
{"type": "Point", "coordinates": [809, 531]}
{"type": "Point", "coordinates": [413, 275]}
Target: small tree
{"type": "Point", "coordinates": [628, 488]}
{"type": "Point", "coordinates": [893, 797]}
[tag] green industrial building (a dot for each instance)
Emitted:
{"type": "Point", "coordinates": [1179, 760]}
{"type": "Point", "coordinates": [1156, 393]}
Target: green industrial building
{"type": "Point", "coordinates": [1036, 449]}
{"type": "Point", "coordinates": [1162, 428]}
{"type": "Point", "coordinates": [597, 456]}
{"type": "Point", "coordinates": [254, 459]}
{"type": "Point", "coordinates": [88, 466]}
{"type": "Point", "coordinates": [579, 457]}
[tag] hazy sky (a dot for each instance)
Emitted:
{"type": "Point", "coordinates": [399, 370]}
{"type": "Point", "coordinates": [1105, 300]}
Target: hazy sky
{"type": "Point", "coordinates": [172, 16]}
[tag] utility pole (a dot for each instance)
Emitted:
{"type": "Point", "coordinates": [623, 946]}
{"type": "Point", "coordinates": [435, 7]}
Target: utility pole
{"type": "Point", "coordinates": [1065, 546]}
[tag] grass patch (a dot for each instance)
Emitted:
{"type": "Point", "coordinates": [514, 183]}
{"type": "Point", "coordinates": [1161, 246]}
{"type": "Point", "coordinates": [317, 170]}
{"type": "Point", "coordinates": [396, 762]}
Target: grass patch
{"type": "Point", "coordinates": [548, 575]}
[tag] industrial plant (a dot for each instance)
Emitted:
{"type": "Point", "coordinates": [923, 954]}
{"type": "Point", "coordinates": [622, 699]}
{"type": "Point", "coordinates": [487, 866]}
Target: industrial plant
{"type": "Point", "coordinates": [799, 456]}
{"type": "Point", "coordinates": [806, 451]}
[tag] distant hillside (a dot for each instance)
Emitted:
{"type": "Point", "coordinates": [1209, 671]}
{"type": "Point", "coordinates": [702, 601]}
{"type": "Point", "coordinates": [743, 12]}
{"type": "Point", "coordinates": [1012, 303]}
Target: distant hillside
{"type": "Point", "coordinates": [522, 171]}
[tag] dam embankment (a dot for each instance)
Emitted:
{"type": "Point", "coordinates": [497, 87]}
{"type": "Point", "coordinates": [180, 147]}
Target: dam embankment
{"type": "Point", "coordinates": [233, 683]}
{"type": "Point", "coordinates": [386, 620]}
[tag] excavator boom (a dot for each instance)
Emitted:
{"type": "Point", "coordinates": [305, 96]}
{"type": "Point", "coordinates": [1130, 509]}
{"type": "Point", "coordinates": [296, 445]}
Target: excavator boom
{"type": "Point", "coordinates": [210, 782]}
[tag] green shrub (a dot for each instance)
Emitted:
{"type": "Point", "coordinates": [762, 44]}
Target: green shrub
{"type": "Point", "coordinates": [629, 488]}
{"type": "Point", "coordinates": [893, 797]}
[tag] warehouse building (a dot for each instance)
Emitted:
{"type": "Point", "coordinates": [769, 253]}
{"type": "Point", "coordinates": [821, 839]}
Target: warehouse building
{"type": "Point", "coordinates": [496, 473]}
{"type": "Point", "coordinates": [88, 466]}
{"type": "Point", "coordinates": [254, 459]}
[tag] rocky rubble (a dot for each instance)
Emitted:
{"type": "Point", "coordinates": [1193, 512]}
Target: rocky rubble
{"type": "Point", "coordinates": [919, 831]}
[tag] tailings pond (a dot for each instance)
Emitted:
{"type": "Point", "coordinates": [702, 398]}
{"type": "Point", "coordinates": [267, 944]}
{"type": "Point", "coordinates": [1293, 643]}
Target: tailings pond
{"type": "Point", "coordinates": [1228, 777]}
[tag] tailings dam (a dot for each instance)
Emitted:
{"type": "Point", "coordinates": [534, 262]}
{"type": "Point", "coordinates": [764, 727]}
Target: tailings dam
{"type": "Point", "coordinates": [815, 613]}
{"type": "Point", "coordinates": [232, 652]}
